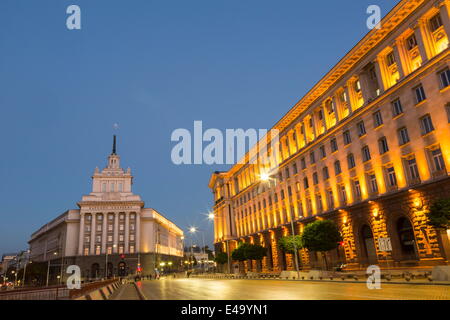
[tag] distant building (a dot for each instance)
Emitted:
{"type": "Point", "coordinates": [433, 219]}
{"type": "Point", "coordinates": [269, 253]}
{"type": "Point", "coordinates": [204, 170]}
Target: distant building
{"type": "Point", "coordinates": [111, 234]}
{"type": "Point", "coordinates": [7, 261]}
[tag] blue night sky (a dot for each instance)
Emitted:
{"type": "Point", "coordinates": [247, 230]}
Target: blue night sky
{"type": "Point", "coordinates": [151, 67]}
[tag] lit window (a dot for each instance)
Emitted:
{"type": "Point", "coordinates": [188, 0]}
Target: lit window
{"type": "Point", "coordinates": [97, 250]}
{"type": "Point", "coordinates": [383, 145]}
{"type": "Point", "coordinates": [377, 119]}
{"type": "Point", "coordinates": [86, 251]}
{"type": "Point", "coordinates": [109, 250]}
{"type": "Point", "coordinates": [351, 161]}
{"type": "Point", "coordinates": [131, 249]}
{"type": "Point", "coordinates": [420, 94]}
{"type": "Point", "coordinates": [397, 108]}
{"type": "Point", "coordinates": [361, 128]}
{"type": "Point", "coordinates": [120, 249]}
{"type": "Point", "coordinates": [357, 86]}
{"type": "Point", "coordinates": [438, 160]}
{"type": "Point", "coordinates": [121, 227]}
{"type": "Point", "coordinates": [347, 137]}
{"type": "Point", "coordinates": [445, 78]}
{"type": "Point", "coordinates": [392, 179]}
{"type": "Point", "coordinates": [403, 136]}
{"type": "Point", "coordinates": [426, 124]}
{"type": "Point", "coordinates": [110, 238]}
{"type": "Point", "coordinates": [366, 154]}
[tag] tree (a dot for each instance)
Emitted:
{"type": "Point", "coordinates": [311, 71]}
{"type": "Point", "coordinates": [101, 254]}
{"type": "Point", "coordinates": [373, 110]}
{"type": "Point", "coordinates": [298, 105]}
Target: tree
{"type": "Point", "coordinates": [321, 236]}
{"type": "Point", "coordinates": [247, 251]}
{"type": "Point", "coordinates": [289, 243]}
{"type": "Point", "coordinates": [439, 214]}
{"type": "Point", "coordinates": [221, 258]}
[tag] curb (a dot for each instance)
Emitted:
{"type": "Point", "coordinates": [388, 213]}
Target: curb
{"type": "Point", "coordinates": [139, 292]}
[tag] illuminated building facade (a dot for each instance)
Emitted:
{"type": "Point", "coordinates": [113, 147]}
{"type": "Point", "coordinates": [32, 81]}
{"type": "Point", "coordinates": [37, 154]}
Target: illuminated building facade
{"type": "Point", "coordinates": [111, 228]}
{"type": "Point", "coordinates": [367, 147]}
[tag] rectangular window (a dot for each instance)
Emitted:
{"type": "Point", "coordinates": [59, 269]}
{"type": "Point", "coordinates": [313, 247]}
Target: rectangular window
{"type": "Point", "coordinates": [131, 237]}
{"type": "Point", "coordinates": [110, 238]}
{"type": "Point", "coordinates": [361, 128]}
{"type": "Point", "coordinates": [98, 239]}
{"type": "Point", "coordinates": [109, 250]}
{"type": "Point", "coordinates": [121, 227]}
{"type": "Point", "coordinates": [403, 136]}
{"type": "Point", "coordinates": [392, 179]}
{"type": "Point", "coordinates": [330, 198]}
{"type": "Point", "coordinates": [120, 187]}
{"type": "Point", "coordinates": [110, 227]}
{"type": "Point", "coordinates": [323, 152]}
{"type": "Point", "coordinates": [420, 94]}
{"type": "Point", "coordinates": [373, 183]}
{"type": "Point", "coordinates": [294, 168]}
{"type": "Point", "coordinates": [103, 187]}
{"type": "Point", "coordinates": [343, 194]}
{"type": "Point", "coordinates": [397, 108]}
{"type": "Point", "coordinates": [303, 163]}
{"type": "Point", "coordinates": [319, 203]}
{"type": "Point", "coordinates": [326, 174]}
{"type": "Point", "coordinates": [97, 250]}
{"type": "Point", "coordinates": [412, 168]}
{"type": "Point", "coordinates": [86, 251]}
{"type": "Point", "coordinates": [305, 183]}
{"type": "Point", "coordinates": [347, 137]}
{"type": "Point", "coordinates": [131, 249]}
{"type": "Point", "coordinates": [337, 167]}
{"type": "Point", "coordinates": [447, 108]}
{"type": "Point", "coordinates": [390, 59]}
{"type": "Point", "coordinates": [99, 227]}
{"type": "Point", "coordinates": [438, 160]}
{"type": "Point", "coordinates": [288, 174]}
{"type": "Point", "coordinates": [445, 78]}
{"type": "Point", "coordinates": [315, 178]}
{"type": "Point", "coordinates": [334, 145]}
{"type": "Point", "coordinates": [121, 238]}
{"type": "Point", "coordinates": [357, 188]}
{"type": "Point", "coordinates": [312, 157]}
{"type": "Point", "coordinates": [435, 22]}
{"type": "Point", "coordinates": [120, 249]}
{"type": "Point", "coordinates": [383, 145]}
{"type": "Point", "coordinates": [351, 161]}
{"type": "Point", "coordinates": [112, 187]}
{"type": "Point", "coordinates": [412, 42]}
{"type": "Point", "coordinates": [377, 119]}
{"type": "Point", "coordinates": [426, 124]}
{"type": "Point", "coordinates": [366, 154]}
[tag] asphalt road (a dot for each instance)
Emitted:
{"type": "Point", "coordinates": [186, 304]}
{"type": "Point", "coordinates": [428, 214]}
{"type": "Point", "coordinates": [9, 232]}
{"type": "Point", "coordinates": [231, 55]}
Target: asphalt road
{"type": "Point", "coordinates": [212, 289]}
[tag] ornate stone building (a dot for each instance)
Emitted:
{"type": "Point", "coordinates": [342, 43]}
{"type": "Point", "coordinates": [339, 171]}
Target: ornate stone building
{"type": "Point", "coordinates": [111, 231]}
{"type": "Point", "coordinates": [368, 147]}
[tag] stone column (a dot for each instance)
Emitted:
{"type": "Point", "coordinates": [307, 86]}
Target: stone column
{"type": "Point", "coordinates": [445, 11]}
{"type": "Point", "coordinates": [365, 87]}
{"type": "Point", "coordinates": [403, 54]}
{"type": "Point", "coordinates": [104, 232]}
{"type": "Point", "coordinates": [81, 235]}
{"type": "Point", "coordinates": [93, 227]}
{"type": "Point", "coordinates": [137, 233]}
{"type": "Point", "coordinates": [127, 232]}
{"type": "Point", "coordinates": [426, 39]}
{"type": "Point", "coordinates": [116, 232]}
{"type": "Point", "coordinates": [420, 44]}
{"type": "Point", "coordinates": [398, 60]}
{"type": "Point", "coordinates": [349, 100]}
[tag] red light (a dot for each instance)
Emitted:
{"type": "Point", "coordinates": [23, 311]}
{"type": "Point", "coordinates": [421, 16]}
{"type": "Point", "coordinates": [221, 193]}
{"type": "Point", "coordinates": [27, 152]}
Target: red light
{"type": "Point", "coordinates": [342, 243]}
{"type": "Point", "coordinates": [122, 256]}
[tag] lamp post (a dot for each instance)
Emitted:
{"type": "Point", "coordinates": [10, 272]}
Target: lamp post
{"type": "Point", "coordinates": [48, 268]}
{"type": "Point", "coordinates": [265, 178]}
{"type": "Point", "coordinates": [25, 267]}
{"type": "Point", "coordinates": [194, 230]}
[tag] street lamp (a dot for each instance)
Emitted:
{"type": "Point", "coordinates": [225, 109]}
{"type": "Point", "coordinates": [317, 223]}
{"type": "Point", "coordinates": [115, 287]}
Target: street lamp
{"type": "Point", "coordinates": [48, 267]}
{"type": "Point", "coordinates": [211, 216]}
{"type": "Point", "coordinates": [25, 267]}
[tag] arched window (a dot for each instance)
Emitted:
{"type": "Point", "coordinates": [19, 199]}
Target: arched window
{"type": "Point", "coordinates": [368, 245]}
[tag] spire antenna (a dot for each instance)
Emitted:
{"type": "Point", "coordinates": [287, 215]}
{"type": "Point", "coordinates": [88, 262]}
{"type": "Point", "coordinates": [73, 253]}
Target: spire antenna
{"type": "Point", "coordinates": [114, 145]}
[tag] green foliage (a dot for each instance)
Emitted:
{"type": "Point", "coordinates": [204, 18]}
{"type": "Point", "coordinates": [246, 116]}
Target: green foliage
{"type": "Point", "coordinates": [321, 235]}
{"type": "Point", "coordinates": [439, 214]}
{"type": "Point", "coordinates": [247, 251]}
{"type": "Point", "coordinates": [289, 243]}
{"type": "Point", "coordinates": [221, 258]}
